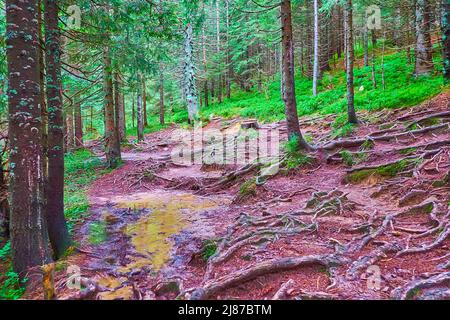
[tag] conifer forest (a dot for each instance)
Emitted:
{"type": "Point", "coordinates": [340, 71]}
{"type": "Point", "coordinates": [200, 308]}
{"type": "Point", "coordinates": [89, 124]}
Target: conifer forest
{"type": "Point", "coordinates": [254, 150]}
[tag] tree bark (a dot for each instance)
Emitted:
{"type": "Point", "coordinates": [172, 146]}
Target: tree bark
{"type": "Point", "coordinates": [424, 49]}
{"type": "Point", "coordinates": [4, 205]}
{"type": "Point", "coordinates": [229, 69]}
{"type": "Point", "coordinates": [446, 38]}
{"type": "Point", "coordinates": [316, 47]}
{"type": "Point", "coordinates": [350, 58]}
{"type": "Point", "coordinates": [289, 98]}
{"type": "Point", "coordinates": [140, 119]}
{"type": "Point", "coordinates": [366, 44]}
{"type": "Point", "coordinates": [57, 226]}
{"type": "Point", "coordinates": [70, 132]}
{"type": "Point", "coordinates": [78, 123]}
{"type": "Point", "coordinates": [133, 113]}
{"type": "Point", "coordinates": [112, 138]}
{"type": "Point", "coordinates": [29, 239]}
{"type": "Point", "coordinates": [161, 97]}
{"type": "Point", "coordinates": [189, 75]}
{"type": "Point", "coordinates": [118, 107]}
{"type": "Point", "coordinates": [219, 77]}
{"type": "Point", "coordinates": [144, 101]}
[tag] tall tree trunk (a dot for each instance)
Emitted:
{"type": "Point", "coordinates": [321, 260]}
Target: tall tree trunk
{"type": "Point", "coordinates": [4, 205]}
{"type": "Point", "coordinates": [44, 130]}
{"type": "Point", "coordinates": [161, 97]}
{"type": "Point", "coordinates": [289, 98]}
{"type": "Point", "coordinates": [219, 77]}
{"type": "Point", "coordinates": [29, 239]}
{"type": "Point", "coordinates": [57, 227]}
{"type": "Point", "coordinates": [189, 75]}
{"type": "Point", "coordinates": [205, 67]}
{"type": "Point", "coordinates": [144, 101]}
{"type": "Point", "coordinates": [229, 69]}
{"type": "Point", "coordinates": [78, 123]}
{"type": "Point", "coordinates": [112, 138]}
{"type": "Point", "coordinates": [124, 119]}
{"type": "Point", "coordinates": [366, 44]}
{"type": "Point", "coordinates": [446, 38]}
{"type": "Point", "coordinates": [118, 107]}
{"type": "Point", "coordinates": [133, 113]}
{"type": "Point", "coordinates": [140, 117]}
{"type": "Point", "coordinates": [70, 132]}
{"type": "Point", "coordinates": [374, 45]}
{"type": "Point", "coordinates": [424, 49]}
{"type": "Point", "coordinates": [350, 58]}
{"type": "Point", "coordinates": [316, 47]}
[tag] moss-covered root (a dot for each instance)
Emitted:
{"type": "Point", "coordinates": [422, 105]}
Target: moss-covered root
{"type": "Point", "coordinates": [389, 170]}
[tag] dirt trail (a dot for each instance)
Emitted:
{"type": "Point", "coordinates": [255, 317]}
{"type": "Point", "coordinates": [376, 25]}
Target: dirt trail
{"type": "Point", "coordinates": [322, 231]}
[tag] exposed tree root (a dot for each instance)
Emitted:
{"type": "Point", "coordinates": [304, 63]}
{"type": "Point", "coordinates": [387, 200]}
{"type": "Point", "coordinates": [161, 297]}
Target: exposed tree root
{"type": "Point", "coordinates": [366, 261]}
{"type": "Point", "coordinates": [427, 247]}
{"type": "Point", "coordinates": [305, 295]}
{"type": "Point", "coordinates": [260, 269]}
{"type": "Point", "coordinates": [282, 293]}
{"type": "Point", "coordinates": [410, 290]}
{"type": "Point", "coordinates": [347, 143]}
{"type": "Point", "coordinates": [445, 114]}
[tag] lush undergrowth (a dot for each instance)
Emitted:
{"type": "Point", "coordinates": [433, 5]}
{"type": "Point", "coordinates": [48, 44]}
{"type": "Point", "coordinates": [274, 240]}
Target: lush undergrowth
{"type": "Point", "coordinates": [81, 169]}
{"type": "Point", "coordinates": [401, 89]}
{"type": "Point", "coordinates": [11, 287]}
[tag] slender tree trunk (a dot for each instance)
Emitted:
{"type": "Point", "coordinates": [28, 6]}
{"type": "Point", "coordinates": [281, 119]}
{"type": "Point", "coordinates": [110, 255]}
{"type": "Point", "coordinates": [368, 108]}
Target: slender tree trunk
{"type": "Point", "coordinates": [29, 239]}
{"type": "Point", "coordinates": [144, 101]}
{"type": "Point", "coordinates": [4, 205]}
{"type": "Point", "coordinates": [219, 77]}
{"type": "Point", "coordinates": [206, 93]}
{"type": "Point", "coordinates": [91, 109]}
{"type": "Point", "coordinates": [161, 97]}
{"type": "Point", "coordinates": [189, 75]}
{"type": "Point", "coordinates": [78, 123]}
{"type": "Point", "coordinates": [349, 58]}
{"type": "Point", "coordinates": [118, 107]}
{"type": "Point", "coordinates": [124, 119]}
{"type": "Point", "coordinates": [205, 67]}
{"type": "Point", "coordinates": [316, 47]}
{"type": "Point", "coordinates": [70, 131]}
{"type": "Point", "coordinates": [140, 119]}
{"type": "Point", "coordinates": [424, 49]}
{"type": "Point", "coordinates": [366, 45]}
{"type": "Point", "coordinates": [446, 38]}
{"type": "Point", "coordinates": [289, 98]}
{"type": "Point", "coordinates": [213, 88]}
{"type": "Point", "coordinates": [374, 44]}
{"type": "Point", "coordinates": [228, 76]}
{"type": "Point", "coordinates": [133, 114]}
{"type": "Point", "coordinates": [57, 227]}
{"type": "Point", "coordinates": [112, 138]}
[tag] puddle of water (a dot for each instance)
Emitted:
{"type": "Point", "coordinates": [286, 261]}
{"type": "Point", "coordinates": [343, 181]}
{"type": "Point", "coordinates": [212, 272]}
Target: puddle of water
{"type": "Point", "coordinates": [150, 235]}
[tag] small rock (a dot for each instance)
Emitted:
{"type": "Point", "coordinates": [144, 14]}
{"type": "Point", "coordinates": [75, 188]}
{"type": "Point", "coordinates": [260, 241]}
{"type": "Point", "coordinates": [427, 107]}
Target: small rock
{"type": "Point", "coordinates": [167, 287]}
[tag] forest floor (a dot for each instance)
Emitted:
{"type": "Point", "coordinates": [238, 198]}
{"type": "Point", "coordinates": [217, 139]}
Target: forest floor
{"type": "Point", "coordinates": [364, 217]}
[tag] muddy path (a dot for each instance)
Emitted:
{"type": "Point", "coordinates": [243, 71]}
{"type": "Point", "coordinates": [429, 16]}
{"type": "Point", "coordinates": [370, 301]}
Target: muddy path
{"type": "Point", "coordinates": [367, 217]}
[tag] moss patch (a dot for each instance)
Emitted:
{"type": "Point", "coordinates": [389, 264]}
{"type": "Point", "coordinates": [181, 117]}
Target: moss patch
{"type": "Point", "coordinates": [387, 171]}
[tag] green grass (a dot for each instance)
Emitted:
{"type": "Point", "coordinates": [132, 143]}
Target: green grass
{"type": "Point", "coordinates": [209, 249]}
{"type": "Point", "coordinates": [387, 171]}
{"type": "Point", "coordinates": [402, 90]}
{"type": "Point", "coordinates": [81, 169]}
{"type": "Point", "coordinates": [97, 232]}
{"type": "Point", "coordinates": [11, 287]}
{"type": "Point", "coordinates": [294, 157]}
